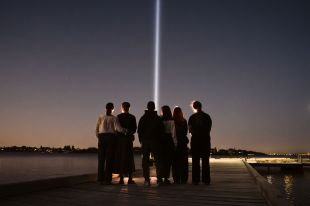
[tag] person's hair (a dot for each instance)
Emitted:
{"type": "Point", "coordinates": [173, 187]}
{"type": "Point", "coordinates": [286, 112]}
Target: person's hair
{"type": "Point", "coordinates": [166, 113]}
{"type": "Point", "coordinates": [109, 107]}
{"type": "Point", "coordinates": [126, 106]}
{"type": "Point", "coordinates": [197, 105]}
{"type": "Point", "coordinates": [178, 115]}
{"type": "Point", "coordinates": [151, 106]}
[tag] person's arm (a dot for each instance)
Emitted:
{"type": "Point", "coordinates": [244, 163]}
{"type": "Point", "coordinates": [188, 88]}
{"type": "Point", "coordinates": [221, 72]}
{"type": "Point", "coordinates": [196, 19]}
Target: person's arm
{"type": "Point", "coordinates": [134, 125]}
{"type": "Point", "coordinates": [210, 123]}
{"type": "Point", "coordinates": [190, 125]}
{"type": "Point", "coordinates": [185, 132]}
{"type": "Point", "coordinates": [97, 126]}
{"type": "Point", "coordinates": [140, 132]}
{"type": "Point", "coordinates": [118, 126]}
{"type": "Point", "coordinates": [173, 134]}
{"type": "Point", "coordinates": [185, 127]}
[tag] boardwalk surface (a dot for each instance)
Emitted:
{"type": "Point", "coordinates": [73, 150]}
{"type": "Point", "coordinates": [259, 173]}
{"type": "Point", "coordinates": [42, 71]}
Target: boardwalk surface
{"type": "Point", "coordinates": [231, 185]}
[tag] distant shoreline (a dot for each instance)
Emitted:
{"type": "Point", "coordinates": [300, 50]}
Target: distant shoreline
{"type": "Point", "coordinates": [216, 153]}
{"type": "Point", "coordinates": [139, 153]}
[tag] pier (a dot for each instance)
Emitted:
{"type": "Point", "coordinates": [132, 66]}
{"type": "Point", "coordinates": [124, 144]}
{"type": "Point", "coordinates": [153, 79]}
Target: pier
{"type": "Point", "coordinates": [285, 164]}
{"type": "Point", "coordinates": [232, 183]}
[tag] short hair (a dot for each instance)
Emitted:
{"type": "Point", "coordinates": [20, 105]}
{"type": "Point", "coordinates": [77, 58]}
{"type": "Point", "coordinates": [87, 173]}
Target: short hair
{"type": "Point", "coordinates": [109, 106]}
{"type": "Point", "coordinates": [196, 105]}
{"type": "Point", "coordinates": [126, 106]}
{"type": "Point", "coordinates": [151, 106]}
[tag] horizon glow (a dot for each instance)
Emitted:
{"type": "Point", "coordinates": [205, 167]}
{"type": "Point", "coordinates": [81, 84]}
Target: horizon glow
{"type": "Point", "coordinates": [156, 54]}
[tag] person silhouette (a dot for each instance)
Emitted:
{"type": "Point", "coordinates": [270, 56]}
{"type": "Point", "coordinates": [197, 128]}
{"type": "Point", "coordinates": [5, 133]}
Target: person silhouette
{"type": "Point", "coordinates": [200, 125]}
{"type": "Point", "coordinates": [150, 130]}
{"type": "Point", "coordinates": [168, 143]}
{"type": "Point", "coordinates": [124, 157]}
{"type": "Point", "coordinates": [180, 162]}
{"type": "Point", "coordinates": [106, 128]}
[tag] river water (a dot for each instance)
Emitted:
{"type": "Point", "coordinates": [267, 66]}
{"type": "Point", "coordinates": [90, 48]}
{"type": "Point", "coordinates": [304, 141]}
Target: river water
{"type": "Point", "coordinates": [294, 185]}
{"type": "Point", "coordinates": [21, 167]}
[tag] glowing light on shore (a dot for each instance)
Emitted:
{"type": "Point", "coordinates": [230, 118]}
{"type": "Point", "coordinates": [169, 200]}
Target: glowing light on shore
{"type": "Point", "coordinates": [156, 53]}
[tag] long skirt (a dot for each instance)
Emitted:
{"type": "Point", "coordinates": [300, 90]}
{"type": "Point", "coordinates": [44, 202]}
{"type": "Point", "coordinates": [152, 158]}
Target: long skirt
{"type": "Point", "coordinates": [124, 158]}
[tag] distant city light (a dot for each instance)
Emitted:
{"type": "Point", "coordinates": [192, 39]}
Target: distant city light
{"type": "Point", "coordinates": [156, 54]}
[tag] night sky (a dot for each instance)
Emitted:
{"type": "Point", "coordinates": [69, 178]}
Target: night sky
{"type": "Point", "coordinates": [248, 62]}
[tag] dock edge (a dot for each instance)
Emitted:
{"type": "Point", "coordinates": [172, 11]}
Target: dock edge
{"type": "Point", "coordinates": [269, 192]}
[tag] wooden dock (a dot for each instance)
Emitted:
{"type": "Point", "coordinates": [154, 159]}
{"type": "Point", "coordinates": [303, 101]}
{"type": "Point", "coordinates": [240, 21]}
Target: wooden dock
{"type": "Point", "coordinates": [231, 184]}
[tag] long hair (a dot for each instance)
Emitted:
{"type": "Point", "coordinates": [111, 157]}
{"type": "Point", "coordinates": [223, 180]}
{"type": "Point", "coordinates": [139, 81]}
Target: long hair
{"type": "Point", "coordinates": [178, 116]}
{"type": "Point", "coordinates": [166, 113]}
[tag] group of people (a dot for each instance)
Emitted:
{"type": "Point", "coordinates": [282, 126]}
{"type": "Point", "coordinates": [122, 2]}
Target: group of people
{"type": "Point", "coordinates": [164, 136]}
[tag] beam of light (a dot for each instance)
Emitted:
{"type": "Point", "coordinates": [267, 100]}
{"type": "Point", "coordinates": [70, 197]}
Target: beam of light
{"type": "Point", "coordinates": [156, 54]}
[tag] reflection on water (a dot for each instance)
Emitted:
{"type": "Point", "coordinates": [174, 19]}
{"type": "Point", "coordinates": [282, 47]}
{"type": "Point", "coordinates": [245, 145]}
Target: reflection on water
{"type": "Point", "coordinates": [269, 179]}
{"type": "Point", "coordinates": [293, 185]}
{"type": "Point", "coordinates": [288, 186]}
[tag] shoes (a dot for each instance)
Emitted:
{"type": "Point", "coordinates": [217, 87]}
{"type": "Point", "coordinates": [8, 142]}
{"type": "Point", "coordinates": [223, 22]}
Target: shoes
{"type": "Point", "coordinates": [121, 182]}
{"type": "Point", "coordinates": [167, 181]}
{"type": "Point", "coordinates": [131, 182]}
{"type": "Point", "coordinates": [159, 182]}
{"type": "Point", "coordinates": [207, 183]}
{"type": "Point", "coordinates": [147, 183]}
{"type": "Point", "coordinates": [177, 182]}
{"type": "Point", "coordinates": [105, 183]}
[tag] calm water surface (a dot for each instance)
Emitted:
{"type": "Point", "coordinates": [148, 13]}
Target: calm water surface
{"type": "Point", "coordinates": [294, 185]}
{"type": "Point", "coordinates": [21, 167]}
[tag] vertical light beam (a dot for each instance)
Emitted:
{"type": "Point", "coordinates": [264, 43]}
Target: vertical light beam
{"type": "Point", "coordinates": [156, 54]}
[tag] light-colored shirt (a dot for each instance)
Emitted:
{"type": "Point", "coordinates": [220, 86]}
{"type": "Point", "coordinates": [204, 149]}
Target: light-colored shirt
{"type": "Point", "coordinates": [108, 124]}
{"type": "Point", "coordinates": [170, 129]}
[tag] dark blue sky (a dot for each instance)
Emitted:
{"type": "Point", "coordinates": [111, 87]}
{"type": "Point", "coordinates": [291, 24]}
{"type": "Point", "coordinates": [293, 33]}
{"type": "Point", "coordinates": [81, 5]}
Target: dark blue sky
{"type": "Point", "coordinates": [246, 61]}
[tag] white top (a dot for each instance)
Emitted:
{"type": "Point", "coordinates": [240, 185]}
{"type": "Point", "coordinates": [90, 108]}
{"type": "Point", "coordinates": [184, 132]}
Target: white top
{"type": "Point", "coordinates": [170, 129]}
{"type": "Point", "coordinates": [108, 124]}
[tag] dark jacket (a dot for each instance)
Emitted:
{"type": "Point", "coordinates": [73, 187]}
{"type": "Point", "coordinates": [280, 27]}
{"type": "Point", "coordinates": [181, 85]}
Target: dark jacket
{"type": "Point", "coordinates": [128, 121]}
{"type": "Point", "coordinates": [200, 125]}
{"type": "Point", "coordinates": [150, 127]}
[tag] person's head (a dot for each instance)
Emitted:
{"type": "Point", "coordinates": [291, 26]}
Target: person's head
{"type": "Point", "coordinates": [196, 105]}
{"type": "Point", "coordinates": [178, 114]}
{"type": "Point", "coordinates": [125, 106]}
{"type": "Point", "coordinates": [109, 107]}
{"type": "Point", "coordinates": [166, 113]}
{"type": "Point", "coordinates": [151, 106]}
